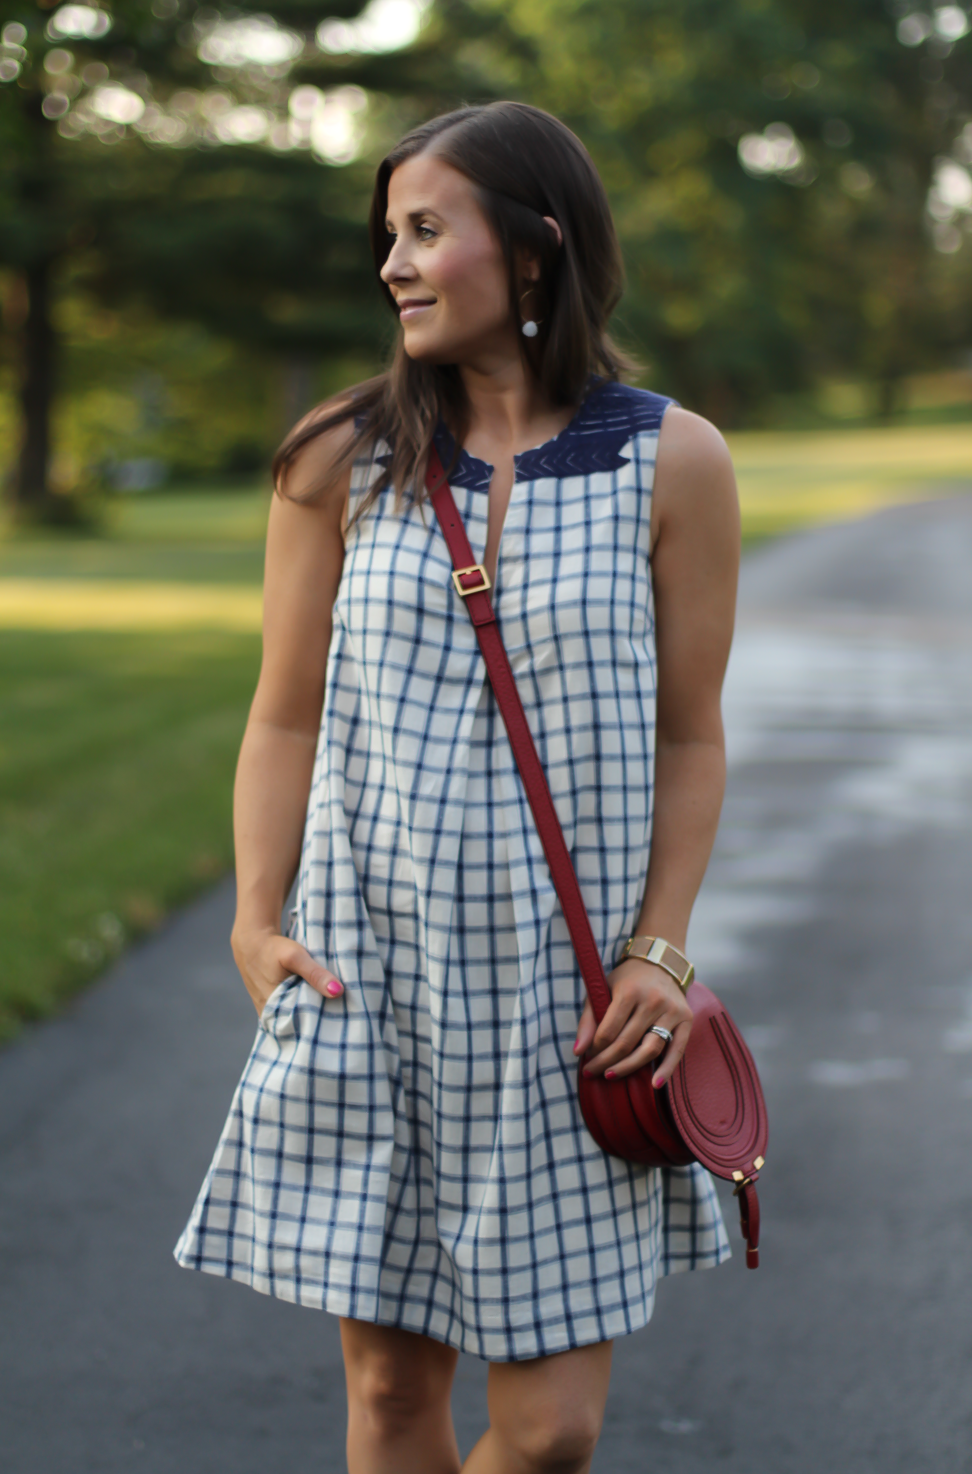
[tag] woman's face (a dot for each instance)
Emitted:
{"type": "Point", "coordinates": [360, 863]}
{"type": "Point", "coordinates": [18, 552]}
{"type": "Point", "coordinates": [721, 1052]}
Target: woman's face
{"type": "Point", "coordinates": [445, 269]}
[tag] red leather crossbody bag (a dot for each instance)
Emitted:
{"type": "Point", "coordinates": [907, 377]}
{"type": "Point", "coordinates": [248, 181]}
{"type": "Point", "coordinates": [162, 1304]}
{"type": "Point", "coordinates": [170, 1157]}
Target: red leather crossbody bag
{"type": "Point", "coordinates": [712, 1111]}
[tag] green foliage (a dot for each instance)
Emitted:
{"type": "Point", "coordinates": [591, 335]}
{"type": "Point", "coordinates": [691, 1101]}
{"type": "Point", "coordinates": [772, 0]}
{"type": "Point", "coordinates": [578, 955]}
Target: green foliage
{"type": "Point", "coordinates": [186, 268]}
{"type": "Point", "coordinates": [743, 284]}
{"type": "Point", "coordinates": [264, 246]}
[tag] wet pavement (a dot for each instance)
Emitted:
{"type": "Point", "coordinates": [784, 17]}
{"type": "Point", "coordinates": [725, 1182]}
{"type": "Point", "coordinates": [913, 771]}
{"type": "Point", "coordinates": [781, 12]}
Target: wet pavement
{"type": "Point", "coordinates": [836, 919]}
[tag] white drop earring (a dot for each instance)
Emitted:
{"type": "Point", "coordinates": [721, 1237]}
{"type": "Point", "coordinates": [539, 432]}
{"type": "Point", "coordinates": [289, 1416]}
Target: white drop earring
{"type": "Point", "coordinates": [530, 328]}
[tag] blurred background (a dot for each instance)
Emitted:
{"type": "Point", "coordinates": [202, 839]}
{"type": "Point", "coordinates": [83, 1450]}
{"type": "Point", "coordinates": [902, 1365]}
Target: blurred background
{"type": "Point", "coordinates": [184, 270]}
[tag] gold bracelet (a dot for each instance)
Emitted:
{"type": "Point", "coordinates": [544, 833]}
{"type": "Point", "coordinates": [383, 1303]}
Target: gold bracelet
{"type": "Point", "coordinates": [663, 955]}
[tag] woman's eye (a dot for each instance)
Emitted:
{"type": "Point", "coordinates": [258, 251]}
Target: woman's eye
{"type": "Point", "coordinates": [425, 232]}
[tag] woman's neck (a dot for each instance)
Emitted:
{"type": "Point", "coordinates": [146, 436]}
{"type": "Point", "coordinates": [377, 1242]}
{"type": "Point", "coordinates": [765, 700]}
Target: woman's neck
{"type": "Point", "coordinates": [508, 411]}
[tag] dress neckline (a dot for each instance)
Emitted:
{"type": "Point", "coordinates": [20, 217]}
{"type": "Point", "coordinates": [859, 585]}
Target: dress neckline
{"type": "Point", "coordinates": [477, 474]}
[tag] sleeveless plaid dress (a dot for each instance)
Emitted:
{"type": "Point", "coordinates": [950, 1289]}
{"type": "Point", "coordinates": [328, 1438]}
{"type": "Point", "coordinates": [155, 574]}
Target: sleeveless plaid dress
{"type": "Point", "coordinates": [412, 1154]}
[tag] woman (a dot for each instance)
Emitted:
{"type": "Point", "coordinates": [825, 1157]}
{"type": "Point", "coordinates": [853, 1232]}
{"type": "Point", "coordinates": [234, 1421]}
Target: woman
{"type": "Point", "coordinates": [405, 1148]}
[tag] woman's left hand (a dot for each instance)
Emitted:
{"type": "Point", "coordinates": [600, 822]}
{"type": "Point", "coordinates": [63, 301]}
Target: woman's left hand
{"type": "Point", "coordinates": [642, 995]}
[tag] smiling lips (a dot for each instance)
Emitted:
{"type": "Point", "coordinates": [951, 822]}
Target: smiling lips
{"type": "Point", "coordinates": [410, 307]}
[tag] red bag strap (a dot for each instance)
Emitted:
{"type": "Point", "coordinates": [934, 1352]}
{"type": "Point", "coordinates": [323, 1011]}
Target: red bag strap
{"type": "Point", "coordinates": [749, 1221]}
{"type": "Point", "coordinates": [472, 584]}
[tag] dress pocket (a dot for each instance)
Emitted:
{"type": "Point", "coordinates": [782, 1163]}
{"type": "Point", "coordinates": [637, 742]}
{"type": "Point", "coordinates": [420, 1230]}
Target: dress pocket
{"type": "Point", "coordinates": [277, 1017]}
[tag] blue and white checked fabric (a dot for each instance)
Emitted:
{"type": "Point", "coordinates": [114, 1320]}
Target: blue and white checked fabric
{"type": "Point", "coordinates": [413, 1154]}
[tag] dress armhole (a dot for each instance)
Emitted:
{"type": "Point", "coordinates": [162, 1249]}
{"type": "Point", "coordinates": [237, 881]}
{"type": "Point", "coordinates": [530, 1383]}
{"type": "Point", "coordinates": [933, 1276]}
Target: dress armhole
{"type": "Point", "coordinates": [365, 470]}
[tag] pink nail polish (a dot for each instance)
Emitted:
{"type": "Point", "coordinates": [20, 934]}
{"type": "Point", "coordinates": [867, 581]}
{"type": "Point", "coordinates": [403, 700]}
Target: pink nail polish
{"type": "Point", "coordinates": [577, 1046]}
{"type": "Point", "coordinates": [334, 989]}
{"type": "Point", "coordinates": [609, 1074]}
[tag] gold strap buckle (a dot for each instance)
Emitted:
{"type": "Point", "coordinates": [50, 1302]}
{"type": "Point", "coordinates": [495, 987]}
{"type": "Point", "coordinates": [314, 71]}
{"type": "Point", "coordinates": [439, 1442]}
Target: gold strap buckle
{"type": "Point", "coordinates": [479, 588]}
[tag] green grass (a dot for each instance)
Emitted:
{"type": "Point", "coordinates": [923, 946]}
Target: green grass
{"type": "Point", "coordinates": [97, 558]}
{"type": "Point", "coordinates": [233, 516]}
{"type": "Point", "coordinates": [793, 479]}
{"type": "Point", "coordinates": [115, 788]}
{"type": "Point", "coordinates": [117, 748]}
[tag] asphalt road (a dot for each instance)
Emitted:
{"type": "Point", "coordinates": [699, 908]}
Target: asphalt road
{"type": "Point", "coordinates": [836, 919]}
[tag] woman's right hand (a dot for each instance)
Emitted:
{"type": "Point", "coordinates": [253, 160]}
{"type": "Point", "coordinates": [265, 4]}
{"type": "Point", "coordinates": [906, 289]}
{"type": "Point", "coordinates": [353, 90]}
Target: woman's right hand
{"type": "Point", "coordinates": [265, 957]}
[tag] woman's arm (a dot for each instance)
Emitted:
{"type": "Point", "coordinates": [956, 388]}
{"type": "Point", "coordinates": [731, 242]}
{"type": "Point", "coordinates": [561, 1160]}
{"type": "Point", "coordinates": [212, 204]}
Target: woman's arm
{"type": "Point", "coordinates": [695, 562]}
{"type": "Point", "coordinates": [305, 555]}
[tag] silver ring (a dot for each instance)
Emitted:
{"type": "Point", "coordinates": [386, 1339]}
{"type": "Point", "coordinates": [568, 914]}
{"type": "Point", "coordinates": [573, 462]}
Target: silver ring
{"type": "Point", "coordinates": [662, 1033]}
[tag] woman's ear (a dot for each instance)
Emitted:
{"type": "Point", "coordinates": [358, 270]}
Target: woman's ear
{"type": "Point", "coordinates": [549, 220]}
{"type": "Point", "coordinates": [530, 265]}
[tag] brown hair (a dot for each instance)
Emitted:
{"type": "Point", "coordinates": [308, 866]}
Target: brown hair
{"type": "Point", "coordinates": [524, 164]}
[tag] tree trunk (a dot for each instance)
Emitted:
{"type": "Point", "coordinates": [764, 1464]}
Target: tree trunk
{"type": "Point", "coordinates": [32, 492]}
{"type": "Point", "coordinates": [888, 387]}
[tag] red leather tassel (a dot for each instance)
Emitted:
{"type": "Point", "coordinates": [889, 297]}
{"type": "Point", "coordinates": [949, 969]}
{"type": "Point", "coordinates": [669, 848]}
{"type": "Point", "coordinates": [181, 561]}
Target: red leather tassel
{"type": "Point", "coordinates": [749, 1223]}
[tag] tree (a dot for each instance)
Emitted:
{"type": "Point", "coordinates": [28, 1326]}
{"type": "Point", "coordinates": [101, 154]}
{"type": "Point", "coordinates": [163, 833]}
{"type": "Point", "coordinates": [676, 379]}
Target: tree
{"type": "Point", "coordinates": [770, 163]}
{"type": "Point", "coordinates": [788, 177]}
{"type": "Point", "coordinates": [186, 159]}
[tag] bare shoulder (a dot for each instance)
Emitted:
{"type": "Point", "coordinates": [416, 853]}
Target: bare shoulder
{"type": "Point", "coordinates": [308, 479]}
{"type": "Point", "coordinates": [308, 513]}
{"type": "Point", "coordinates": [692, 451]}
{"type": "Point", "coordinates": [694, 477]}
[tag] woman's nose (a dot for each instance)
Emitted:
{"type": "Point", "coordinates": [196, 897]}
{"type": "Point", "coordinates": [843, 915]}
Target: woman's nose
{"type": "Point", "coordinates": [397, 264]}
